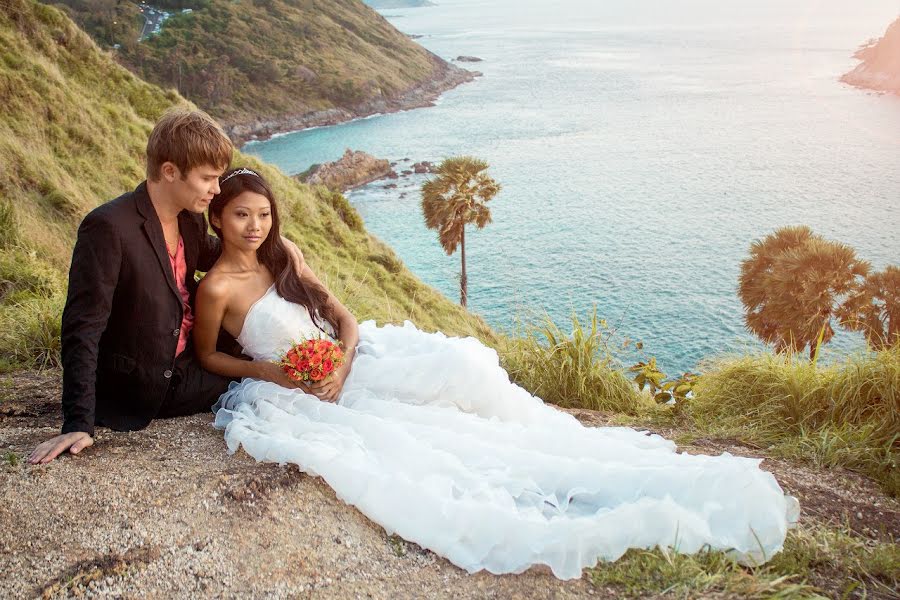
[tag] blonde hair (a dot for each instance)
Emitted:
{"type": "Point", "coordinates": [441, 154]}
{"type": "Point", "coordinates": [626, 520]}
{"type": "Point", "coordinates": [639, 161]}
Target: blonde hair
{"type": "Point", "coordinates": [187, 138]}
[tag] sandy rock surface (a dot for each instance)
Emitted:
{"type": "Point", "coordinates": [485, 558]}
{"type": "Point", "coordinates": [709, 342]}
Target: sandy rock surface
{"type": "Point", "coordinates": [167, 513]}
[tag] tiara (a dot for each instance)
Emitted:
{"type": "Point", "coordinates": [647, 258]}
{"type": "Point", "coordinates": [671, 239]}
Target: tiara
{"type": "Point", "coordinates": [241, 171]}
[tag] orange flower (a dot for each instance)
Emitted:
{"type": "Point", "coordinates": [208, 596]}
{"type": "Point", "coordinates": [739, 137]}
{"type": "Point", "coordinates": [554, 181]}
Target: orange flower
{"type": "Point", "coordinates": [312, 360]}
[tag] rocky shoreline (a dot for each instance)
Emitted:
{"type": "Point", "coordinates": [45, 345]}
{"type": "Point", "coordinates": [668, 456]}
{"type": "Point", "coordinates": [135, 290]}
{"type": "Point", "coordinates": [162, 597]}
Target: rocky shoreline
{"type": "Point", "coordinates": [880, 67]}
{"type": "Point", "coordinates": [356, 168]}
{"type": "Point", "coordinates": [445, 76]}
{"type": "Point", "coordinates": [352, 170]}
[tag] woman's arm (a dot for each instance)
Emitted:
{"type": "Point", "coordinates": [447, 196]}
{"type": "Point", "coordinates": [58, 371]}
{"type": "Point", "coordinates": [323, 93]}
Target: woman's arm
{"type": "Point", "coordinates": [330, 389]}
{"type": "Point", "coordinates": [211, 304]}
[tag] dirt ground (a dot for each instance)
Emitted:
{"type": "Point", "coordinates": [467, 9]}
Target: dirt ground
{"type": "Point", "coordinates": [167, 513]}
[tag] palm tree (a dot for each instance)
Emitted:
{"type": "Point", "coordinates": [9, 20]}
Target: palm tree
{"type": "Point", "coordinates": [874, 308]}
{"type": "Point", "coordinates": [455, 198]}
{"type": "Point", "coordinates": [793, 284]}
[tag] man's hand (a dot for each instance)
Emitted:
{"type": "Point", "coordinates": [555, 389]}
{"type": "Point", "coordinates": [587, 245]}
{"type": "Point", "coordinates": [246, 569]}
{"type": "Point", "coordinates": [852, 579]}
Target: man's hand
{"type": "Point", "coordinates": [74, 442]}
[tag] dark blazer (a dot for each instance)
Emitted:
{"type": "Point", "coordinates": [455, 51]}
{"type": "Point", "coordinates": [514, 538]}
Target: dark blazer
{"type": "Point", "coordinates": [121, 322]}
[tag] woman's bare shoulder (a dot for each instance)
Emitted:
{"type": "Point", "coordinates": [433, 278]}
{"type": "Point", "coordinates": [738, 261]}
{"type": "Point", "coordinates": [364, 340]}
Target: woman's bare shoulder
{"type": "Point", "coordinates": [216, 285]}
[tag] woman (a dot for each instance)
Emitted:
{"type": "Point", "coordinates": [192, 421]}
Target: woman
{"type": "Point", "coordinates": [426, 435]}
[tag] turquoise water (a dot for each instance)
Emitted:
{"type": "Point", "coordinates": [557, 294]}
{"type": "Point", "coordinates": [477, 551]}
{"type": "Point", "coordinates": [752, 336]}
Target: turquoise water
{"type": "Point", "coordinates": [642, 146]}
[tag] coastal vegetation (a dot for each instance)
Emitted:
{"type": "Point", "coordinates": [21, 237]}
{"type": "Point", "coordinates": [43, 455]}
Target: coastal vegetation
{"type": "Point", "coordinates": [576, 369]}
{"type": "Point", "coordinates": [457, 197]}
{"type": "Point", "coordinates": [250, 60]}
{"type": "Point", "coordinates": [874, 308]}
{"type": "Point", "coordinates": [72, 135]}
{"type": "Point", "coordinates": [843, 415]}
{"type": "Point", "coordinates": [795, 285]}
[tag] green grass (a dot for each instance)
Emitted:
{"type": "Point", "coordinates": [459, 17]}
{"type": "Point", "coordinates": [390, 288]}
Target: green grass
{"type": "Point", "coordinates": [574, 369]}
{"type": "Point", "coordinates": [30, 333]}
{"type": "Point", "coordinates": [398, 545]}
{"type": "Point", "coordinates": [7, 387]}
{"type": "Point", "coordinates": [811, 561]}
{"type": "Point", "coordinates": [845, 414]}
{"type": "Point", "coordinates": [9, 230]}
{"type": "Point", "coordinates": [12, 459]}
{"type": "Point", "coordinates": [31, 302]}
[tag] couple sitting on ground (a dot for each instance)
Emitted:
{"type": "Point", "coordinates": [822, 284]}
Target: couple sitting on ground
{"type": "Point", "coordinates": [423, 433]}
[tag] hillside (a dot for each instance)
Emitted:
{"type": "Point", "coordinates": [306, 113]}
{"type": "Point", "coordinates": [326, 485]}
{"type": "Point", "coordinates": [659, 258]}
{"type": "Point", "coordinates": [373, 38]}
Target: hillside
{"type": "Point", "coordinates": [73, 127]}
{"type": "Point", "coordinates": [880, 66]}
{"type": "Point", "coordinates": [267, 66]}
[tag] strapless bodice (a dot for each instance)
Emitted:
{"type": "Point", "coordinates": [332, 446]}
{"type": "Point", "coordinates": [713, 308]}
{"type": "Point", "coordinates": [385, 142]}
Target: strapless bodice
{"type": "Point", "coordinates": [272, 324]}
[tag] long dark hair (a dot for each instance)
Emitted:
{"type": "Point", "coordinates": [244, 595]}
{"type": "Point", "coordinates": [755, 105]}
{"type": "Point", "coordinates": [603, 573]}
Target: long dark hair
{"type": "Point", "coordinates": [272, 253]}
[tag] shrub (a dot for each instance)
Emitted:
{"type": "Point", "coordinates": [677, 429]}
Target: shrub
{"type": "Point", "coordinates": [841, 415]}
{"type": "Point", "coordinates": [575, 370]}
{"type": "Point", "coordinates": [30, 332]}
{"type": "Point", "coordinates": [343, 208]}
{"type": "Point", "coordinates": [21, 272]}
{"type": "Point", "coordinates": [387, 260]}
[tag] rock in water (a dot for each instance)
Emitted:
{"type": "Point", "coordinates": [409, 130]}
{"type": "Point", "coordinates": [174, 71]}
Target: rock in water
{"type": "Point", "coordinates": [880, 66]}
{"type": "Point", "coordinates": [423, 167]}
{"type": "Point", "coordinates": [352, 170]}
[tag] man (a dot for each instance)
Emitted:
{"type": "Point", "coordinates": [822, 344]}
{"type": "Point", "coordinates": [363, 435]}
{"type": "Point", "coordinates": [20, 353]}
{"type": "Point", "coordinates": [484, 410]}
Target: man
{"type": "Point", "coordinates": [126, 349]}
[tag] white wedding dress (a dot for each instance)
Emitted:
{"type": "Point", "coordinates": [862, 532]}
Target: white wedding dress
{"type": "Point", "coordinates": [430, 440]}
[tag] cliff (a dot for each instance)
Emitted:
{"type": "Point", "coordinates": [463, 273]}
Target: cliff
{"type": "Point", "coordinates": [262, 67]}
{"type": "Point", "coordinates": [880, 66]}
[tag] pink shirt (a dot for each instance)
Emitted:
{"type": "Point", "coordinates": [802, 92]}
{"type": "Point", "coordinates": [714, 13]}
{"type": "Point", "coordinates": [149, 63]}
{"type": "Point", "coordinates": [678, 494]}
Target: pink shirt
{"type": "Point", "coordinates": [179, 268]}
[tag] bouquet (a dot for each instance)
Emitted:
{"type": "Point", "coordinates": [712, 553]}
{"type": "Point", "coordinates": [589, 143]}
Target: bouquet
{"type": "Point", "coordinates": [312, 359]}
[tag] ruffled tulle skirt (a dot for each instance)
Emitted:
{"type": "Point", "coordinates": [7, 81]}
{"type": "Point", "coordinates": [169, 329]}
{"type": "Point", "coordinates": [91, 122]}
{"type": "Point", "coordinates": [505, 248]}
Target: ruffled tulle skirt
{"type": "Point", "coordinates": [431, 441]}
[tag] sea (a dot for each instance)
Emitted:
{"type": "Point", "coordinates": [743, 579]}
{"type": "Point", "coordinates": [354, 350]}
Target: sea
{"type": "Point", "coordinates": [641, 146]}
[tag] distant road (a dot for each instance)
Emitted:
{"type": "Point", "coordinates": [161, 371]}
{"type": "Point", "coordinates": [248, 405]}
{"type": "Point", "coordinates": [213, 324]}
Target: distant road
{"type": "Point", "coordinates": [153, 19]}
